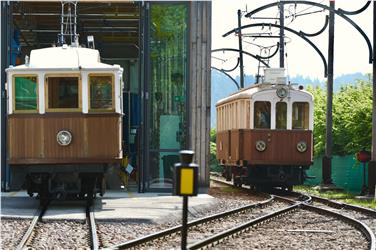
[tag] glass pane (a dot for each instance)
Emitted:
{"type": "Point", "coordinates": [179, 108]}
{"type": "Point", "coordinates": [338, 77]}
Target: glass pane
{"type": "Point", "coordinates": [262, 115]}
{"type": "Point", "coordinates": [162, 176]}
{"type": "Point", "coordinates": [62, 92]}
{"type": "Point", "coordinates": [300, 115]}
{"type": "Point", "coordinates": [101, 92]}
{"type": "Point", "coordinates": [26, 92]}
{"type": "Point", "coordinates": [281, 115]}
{"type": "Point", "coordinates": [169, 72]}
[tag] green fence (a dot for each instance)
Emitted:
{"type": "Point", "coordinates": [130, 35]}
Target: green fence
{"type": "Point", "coordinates": [347, 173]}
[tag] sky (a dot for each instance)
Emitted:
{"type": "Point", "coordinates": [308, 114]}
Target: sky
{"type": "Point", "coordinates": [351, 52]}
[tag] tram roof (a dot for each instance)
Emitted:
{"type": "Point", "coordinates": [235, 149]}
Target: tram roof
{"type": "Point", "coordinates": [248, 92]}
{"type": "Point", "coordinates": [64, 58]}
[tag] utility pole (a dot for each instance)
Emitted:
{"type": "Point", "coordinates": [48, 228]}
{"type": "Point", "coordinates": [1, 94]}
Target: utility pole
{"type": "Point", "coordinates": [327, 159]}
{"type": "Point", "coordinates": [240, 49]}
{"type": "Point", "coordinates": [372, 163]}
{"type": "Point", "coordinates": [281, 35]}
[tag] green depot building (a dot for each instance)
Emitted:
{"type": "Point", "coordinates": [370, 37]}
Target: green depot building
{"type": "Point", "coordinates": [164, 49]}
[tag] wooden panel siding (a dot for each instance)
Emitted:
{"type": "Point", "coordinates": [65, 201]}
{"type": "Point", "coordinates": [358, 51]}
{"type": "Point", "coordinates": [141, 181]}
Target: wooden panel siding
{"type": "Point", "coordinates": [223, 144]}
{"type": "Point", "coordinates": [281, 147]}
{"type": "Point", "coordinates": [95, 138]}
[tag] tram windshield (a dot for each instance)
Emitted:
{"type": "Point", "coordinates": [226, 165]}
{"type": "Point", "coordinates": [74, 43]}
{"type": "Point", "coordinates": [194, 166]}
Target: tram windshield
{"type": "Point", "coordinates": [62, 92]}
{"type": "Point", "coordinates": [101, 92]}
{"type": "Point", "coordinates": [281, 115]}
{"type": "Point", "coordinates": [25, 93]}
{"type": "Point", "coordinates": [300, 115]}
{"type": "Point", "coordinates": [262, 114]}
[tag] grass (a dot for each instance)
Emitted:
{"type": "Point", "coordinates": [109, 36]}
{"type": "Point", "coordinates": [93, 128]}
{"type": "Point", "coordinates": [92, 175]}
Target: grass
{"type": "Point", "coordinates": [336, 195]}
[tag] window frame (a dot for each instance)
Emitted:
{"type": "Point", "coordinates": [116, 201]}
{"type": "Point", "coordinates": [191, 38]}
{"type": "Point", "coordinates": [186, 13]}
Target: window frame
{"type": "Point", "coordinates": [270, 113]}
{"type": "Point", "coordinates": [22, 111]}
{"type": "Point", "coordinates": [275, 115]}
{"type": "Point", "coordinates": [308, 115]}
{"type": "Point", "coordinates": [90, 109]}
{"type": "Point", "coordinates": [47, 101]}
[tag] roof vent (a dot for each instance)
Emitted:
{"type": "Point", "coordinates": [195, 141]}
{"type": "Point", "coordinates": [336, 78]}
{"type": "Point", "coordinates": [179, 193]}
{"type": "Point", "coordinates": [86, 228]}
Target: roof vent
{"type": "Point", "coordinates": [274, 76]}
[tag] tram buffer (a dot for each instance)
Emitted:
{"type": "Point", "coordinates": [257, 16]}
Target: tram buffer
{"type": "Point", "coordinates": [185, 184]}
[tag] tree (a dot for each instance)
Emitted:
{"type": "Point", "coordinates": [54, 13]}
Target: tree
{"type": "Point", "coordinates": [319, 119]}
{"type": "Point", "coordinates": [352, 118]}
{"type": "Point", "coordinates": [213, 152]}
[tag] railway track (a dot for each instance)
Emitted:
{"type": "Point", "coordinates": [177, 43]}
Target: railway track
{"type": "Point", "coordinates": [171, 236]}
{"type": "Point", "coordinates": [201, 228]}
{"type": "Point", "coordinates": [28, 234]}
{"type": "Point", "coordinates": [46, 233]}
{"type": "Point", "coordinates": [313, 204]}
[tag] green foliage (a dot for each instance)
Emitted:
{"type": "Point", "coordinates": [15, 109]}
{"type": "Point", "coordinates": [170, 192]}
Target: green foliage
{"type": "Point", "coordinates": [213, 135]}
{"type": "Point", "coordinates": [213, 158]}
{"type": "Point", "coordinates": [213, 152]}
{"type": "Point", "coordinates": [319, 119]}
{"type": "Point", "coordinates": [352, 118]}
{"type": "Point", "coordinates": [165, 24]}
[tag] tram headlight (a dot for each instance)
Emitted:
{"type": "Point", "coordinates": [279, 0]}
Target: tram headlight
{"type": "Point", "coordinates": [64, 138]}
{"type": "Point", "coordinates": [301, 146]}
{"type": "Point", "coordinates": [281, 92]}
{"type": "Point", "coordinates": [260, 145]}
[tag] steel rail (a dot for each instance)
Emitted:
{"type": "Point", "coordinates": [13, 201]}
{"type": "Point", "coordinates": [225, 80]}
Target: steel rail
{"type": "Point", "coordinates": [340, 205]}
{"type": "Point", "coordinates": [367, 232]}
{"type": "Point", "coordinates": [301, 197]}
{"type": "Point", "coordinates": [172, 230]}
{"type": "Point", "coordinates": [243, 227]}
{"type": "Point", "coordinates": [93, 229]}
{"type": "Point", "coordinates": [37, 217]}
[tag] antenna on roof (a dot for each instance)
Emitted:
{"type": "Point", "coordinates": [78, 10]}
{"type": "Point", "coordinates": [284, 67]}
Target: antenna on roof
{"type": "Point", "coordinates": [68, 28]}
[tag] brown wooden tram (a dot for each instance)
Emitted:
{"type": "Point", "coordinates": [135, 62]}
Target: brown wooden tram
{"type": "Point", "coordinates": [64, 121]}
{"type": "Point", "coordinates": [264, 133]}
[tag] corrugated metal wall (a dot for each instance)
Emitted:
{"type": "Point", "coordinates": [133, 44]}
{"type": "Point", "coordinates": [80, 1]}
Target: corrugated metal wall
{"type": "Point", "coordinates": [347, 173]}
{"type": "Point", "coordinates": [200, 85]}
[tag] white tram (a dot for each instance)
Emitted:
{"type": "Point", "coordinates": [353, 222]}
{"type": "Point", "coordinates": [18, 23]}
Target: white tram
{"type": "Point", "coordinates": [264, 133]}
{"type": "Point", "coordinates": [64, 121]}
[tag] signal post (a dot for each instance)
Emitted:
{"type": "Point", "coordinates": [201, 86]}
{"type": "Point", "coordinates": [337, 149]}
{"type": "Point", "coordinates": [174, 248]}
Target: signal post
{"type": "Point", "coordinates": [185, 184]}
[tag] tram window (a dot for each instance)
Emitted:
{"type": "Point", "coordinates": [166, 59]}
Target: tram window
{"type": "Point", "coordinates": [25, 93]}
{"type": "Point", "coordinates": [262, 114]}
{"type": "Point", "coordinates": [281, 115]}
{"type": "Point", "coordinates": [101, 92]}
{"type": "Point", "coordinates": [300, 115]}
{"type": "Point", "coordinates": [62, 93]}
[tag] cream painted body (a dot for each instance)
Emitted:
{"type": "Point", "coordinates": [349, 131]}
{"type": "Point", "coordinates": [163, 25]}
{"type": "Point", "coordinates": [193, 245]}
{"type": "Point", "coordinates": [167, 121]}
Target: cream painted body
{"type": "Point", "coordinates": [233, 116]}
{"type": "Point", "coordinates": [66, 61]}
